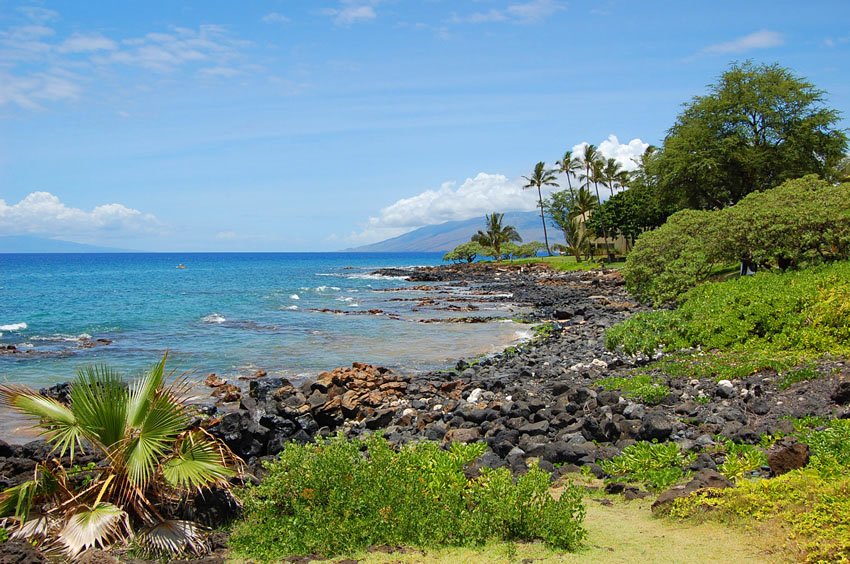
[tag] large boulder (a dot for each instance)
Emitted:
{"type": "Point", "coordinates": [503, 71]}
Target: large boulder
{"type": "Point", "coordinates": [704, 479]}
{"type": "Point", "coordinates": [786, 455]}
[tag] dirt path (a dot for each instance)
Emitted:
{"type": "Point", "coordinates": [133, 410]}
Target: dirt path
{"type": "Point", "coordinates": [621, 532]}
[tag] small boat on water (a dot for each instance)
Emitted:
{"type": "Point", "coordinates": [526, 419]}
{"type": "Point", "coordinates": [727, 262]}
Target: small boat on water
{"type": "Point", "coordinates": [181, 265]}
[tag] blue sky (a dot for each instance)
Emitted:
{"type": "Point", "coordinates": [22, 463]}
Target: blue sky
{"type": "Point", "coordinates": [290, 126]}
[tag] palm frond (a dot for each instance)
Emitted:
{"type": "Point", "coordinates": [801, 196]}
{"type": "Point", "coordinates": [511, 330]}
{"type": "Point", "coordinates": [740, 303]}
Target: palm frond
{"type": "Point", "coordinates": [143, 391]}
{"type": "Point", "coordinates": [98, 526]}
{"type": "Point", "coordinates": [163, 422]}
{"type": "Point", "coordinates": [198, 462]}
{"type": "Point", "coordinates": [60, 426]}
{"type": "Point", "coordinates": [99, 401]}
{"type": "Point", "coordinates": [173, 537]}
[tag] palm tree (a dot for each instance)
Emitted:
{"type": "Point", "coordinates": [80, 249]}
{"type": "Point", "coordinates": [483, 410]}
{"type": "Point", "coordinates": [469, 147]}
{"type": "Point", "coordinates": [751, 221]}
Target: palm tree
{"type": "Point", "coordinates": [612, 174]}
{"type": "Point", "coordinates": [149, 458]}
{"type": "Point", "coordinates": [589, 156]}
{"type": "Point", "coordinates": [583, 204]}
{"type": "Point", "coordinates": [496, 234]}
{"type": "Point", "coordinates": [568, 165]}
{"type": "Point", "coordinates": [539, 178]}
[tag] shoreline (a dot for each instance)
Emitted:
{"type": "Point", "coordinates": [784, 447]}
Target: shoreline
{"type": "Point", "coordinates": [540, 400]}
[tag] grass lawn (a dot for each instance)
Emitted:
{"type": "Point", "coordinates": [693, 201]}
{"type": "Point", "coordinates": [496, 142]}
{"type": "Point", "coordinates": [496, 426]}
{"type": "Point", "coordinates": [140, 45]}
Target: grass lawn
{"type": "Point", "coordinates": [620, 532]}
{"type": "Point", "coordinates": [561, 263]}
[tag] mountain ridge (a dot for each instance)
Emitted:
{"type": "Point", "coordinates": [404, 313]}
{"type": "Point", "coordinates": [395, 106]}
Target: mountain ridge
{"type": "Point", "coordinates": [446, 236]}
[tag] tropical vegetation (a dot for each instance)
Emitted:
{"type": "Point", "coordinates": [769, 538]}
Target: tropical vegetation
{"type": "Point", "coordinates": [495, 235]}
{"type": "Point", "coordinates": [151, 460]}
{"type": "Point", "coordinates": [339, 496]}
{"type": "Point", "coordinates": [539, 178]}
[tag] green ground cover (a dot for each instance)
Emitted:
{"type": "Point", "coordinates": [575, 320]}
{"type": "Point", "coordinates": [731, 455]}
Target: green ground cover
{"type": "Point", "coordinates": [340, 496]}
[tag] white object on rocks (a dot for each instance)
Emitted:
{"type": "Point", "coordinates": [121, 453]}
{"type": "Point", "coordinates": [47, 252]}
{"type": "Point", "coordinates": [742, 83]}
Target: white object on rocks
{"type": "Point", "coordinates": [597, 363]}
{"type": "Point", "coordinates": [475, 395]}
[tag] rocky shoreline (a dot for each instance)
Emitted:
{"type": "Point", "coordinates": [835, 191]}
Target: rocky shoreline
{"type": "Point", "coordinates": [540, 400]}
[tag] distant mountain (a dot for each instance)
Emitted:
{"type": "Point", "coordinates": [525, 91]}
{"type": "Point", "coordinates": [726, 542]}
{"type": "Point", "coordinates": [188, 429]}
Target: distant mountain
{"type": "Point", "coordinates": [25, 244]}
{"type": "Point", "coordinates": [447, 236]}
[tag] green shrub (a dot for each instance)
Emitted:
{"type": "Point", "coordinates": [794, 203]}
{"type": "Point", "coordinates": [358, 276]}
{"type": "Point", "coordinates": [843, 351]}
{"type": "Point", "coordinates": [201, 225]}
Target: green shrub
{"type": "Point", "coordinates": [655, 465]}
{"type": "Point", "coordinates": [812, 503]}
{"type": "Point", "coordinates": [740, 460]}
{"type": "Point", "coordinates": [802, 222]}
{"type": "Point", "coordinates": [340, 496]}
{"type": "Point", "coordinates": [768, 311]}
{"type": "Point", "coordinates": [642, 387]}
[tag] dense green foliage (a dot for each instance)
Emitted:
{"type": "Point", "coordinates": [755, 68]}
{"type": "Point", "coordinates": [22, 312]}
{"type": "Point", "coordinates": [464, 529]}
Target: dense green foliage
{"type": "Point", "coordinates": [495, 234]}
{"type": "Point", "coordinates": [811, 503]}
{"type": "Point", "coordinates": [568, 211]}
{"type": "Point", "coordinates": [800, 223]}
{"type": "Point", "coordinates": [340, 496]}
{"type": "Point", "coordinates": [467, 252]}
{"type": "Point", "coordinates": [655, 465]}
{"type": "Point", "coordinates": [758, 126]}
{"type": "Point", "coordinates": [642, 387]}
{"type": "Point", "coordinates": [807, 310]}
{"type": "Point", "coordinates": [629, 213]}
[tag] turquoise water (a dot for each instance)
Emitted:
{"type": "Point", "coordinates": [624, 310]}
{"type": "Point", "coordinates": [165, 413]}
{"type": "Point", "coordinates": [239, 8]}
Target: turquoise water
{"type": "Point", "coordinates": [230, 314]}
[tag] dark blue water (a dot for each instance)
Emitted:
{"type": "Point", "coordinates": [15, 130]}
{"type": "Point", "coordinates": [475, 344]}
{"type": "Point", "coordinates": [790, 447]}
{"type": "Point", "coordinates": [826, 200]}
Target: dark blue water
{"type": "Point", "coordinates": [228, 313]}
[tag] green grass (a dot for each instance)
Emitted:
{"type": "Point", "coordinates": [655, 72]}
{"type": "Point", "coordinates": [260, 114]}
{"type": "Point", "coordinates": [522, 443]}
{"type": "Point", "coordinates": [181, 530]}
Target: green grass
{"type": "Point", "coordinates": [561, 263]}
{"type": "Point", "coordinates": [727, 365]}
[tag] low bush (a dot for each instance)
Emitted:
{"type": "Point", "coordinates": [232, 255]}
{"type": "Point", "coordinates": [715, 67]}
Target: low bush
{"type": "Point", "coordinates": [340, 496]}
{"type": "Point", "coordinates": [800, 223]}
{"type": "Point", "coordinates": [792, 311]}
{"type": "Point", "coordinates": [655, 465]}
{"type": "Point", "coordinates": [726, 365]}
{"type": "Point", "coordinates": [740, 460]}
{"type": "Point", "coordinates": [641, 387]}
{"type": "Point", "coordinates": [812, 503]}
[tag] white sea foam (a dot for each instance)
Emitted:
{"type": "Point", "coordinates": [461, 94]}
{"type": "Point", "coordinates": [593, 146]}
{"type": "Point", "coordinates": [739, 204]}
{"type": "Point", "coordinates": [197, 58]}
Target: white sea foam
{"type": "Point", "coordinates": [291, 308]}
{"type": "Point", "coordinates": [326, 288]}
{"type": "Point", "coordinates": [294, 297]}
{"type": "Point", "coordinates": [13, 327]}
{"type": "Point", "coordinates": [374, 277]}
{"type": "Point", "coordinates": [345, 299]}
{"type": "Point", "coordinates": [61, 337]}
{"type": "Point", "coordinates": [214, 318]}
{"type": "Point", "coordinates": [523, 335]}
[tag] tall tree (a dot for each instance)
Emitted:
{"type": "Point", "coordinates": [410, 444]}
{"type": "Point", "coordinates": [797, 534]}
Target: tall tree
{"type": "Point", "coordinates": [539, 178]}
{"type": "Point", "coordinates": [496, 234]}
{"type": "Point", "coordinates": [568, 165]}
{"type": "Point", "coordinates": [613, 175]}
{"type": "Point", "coordinates": [758, 126]}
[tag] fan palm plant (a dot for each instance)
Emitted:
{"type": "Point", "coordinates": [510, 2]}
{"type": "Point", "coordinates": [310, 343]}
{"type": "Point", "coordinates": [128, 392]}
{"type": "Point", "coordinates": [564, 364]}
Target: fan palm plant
{"type": "Point", "coordinates": [539, 178]}
{"type": "Point", "coordinates": [148, 455]}
{"type": "Point", "coordinates": [496, 234]}
{"type": "Point", "coordinates": [568, 165]}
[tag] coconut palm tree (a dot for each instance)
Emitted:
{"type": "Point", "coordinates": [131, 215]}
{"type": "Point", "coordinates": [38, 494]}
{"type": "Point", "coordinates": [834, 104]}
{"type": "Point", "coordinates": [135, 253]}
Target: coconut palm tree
{"type": "Point", "coordinates": [612, 174]}
{"type": "Point", "coordinates": [589, 155]}
{"type": "Point", "coordinates": [150, 458]}
{"type": "Point", "coordinates": [568, 165]}
{"type": "Point", "coordinates": [539, 178]}
{"type": "Point", "coordinates": [496, 234]}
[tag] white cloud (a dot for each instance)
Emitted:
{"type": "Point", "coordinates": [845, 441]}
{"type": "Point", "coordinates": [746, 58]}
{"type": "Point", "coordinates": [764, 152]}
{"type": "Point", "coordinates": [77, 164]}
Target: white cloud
{"type": "Point", "coordinates": [42, 213]}
{"type": "Point", "coordinates": [38, 14]}
{"type": "Point", "coordinates": [627, 154]}
{"type": "Point", "coordinates": [480, 195]}
{"type": "Point", "coordinates": [166, 52]}
{"type": "Point", "coordinates": [35, 64]}
{"type": "Point", "coordinates": [533, 11]}
{"type": "Point", "coordinates": [82, 43]}
{"type": "Point", "coordinates": [29, 90]}
{"type": "Point", "coordinates": [275, 18]}
{"type": "Point", "coordinates": [758, 40]}
{"type": "Point", "coordinates": [353, 11]}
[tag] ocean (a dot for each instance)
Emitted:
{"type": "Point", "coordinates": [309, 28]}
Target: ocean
{"type": "Point", "coordinates": [231, 314]}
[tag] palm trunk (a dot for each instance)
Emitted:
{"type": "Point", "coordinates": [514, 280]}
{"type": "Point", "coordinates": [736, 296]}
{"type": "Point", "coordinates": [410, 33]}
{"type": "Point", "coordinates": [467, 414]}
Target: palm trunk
{"type": "Point", "coordinates": [570, 185]}
{"type": "Point", "coordinates": [543, 219]}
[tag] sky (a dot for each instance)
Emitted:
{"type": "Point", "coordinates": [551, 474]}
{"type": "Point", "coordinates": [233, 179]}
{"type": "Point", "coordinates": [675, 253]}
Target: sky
{"type": "Point", "coordinates": [326, 124]}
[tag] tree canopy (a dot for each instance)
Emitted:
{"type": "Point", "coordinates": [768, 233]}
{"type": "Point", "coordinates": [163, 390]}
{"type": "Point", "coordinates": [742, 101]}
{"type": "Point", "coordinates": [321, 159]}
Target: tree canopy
{"type": "Point", "coordinates": [758, 126]}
